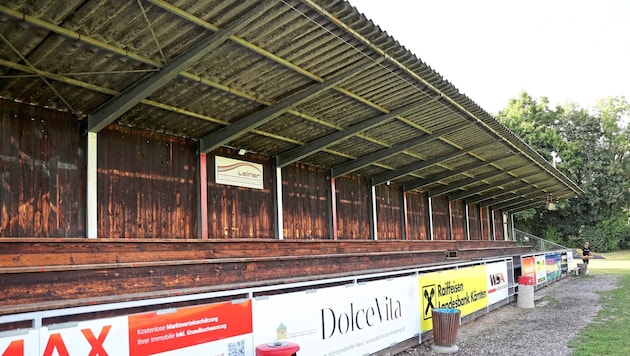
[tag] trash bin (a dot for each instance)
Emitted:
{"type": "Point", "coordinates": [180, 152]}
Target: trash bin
{"type": "Point", "coordinates": [278, 348]}
{"type": "Point", "coordinates": [445, 326]}
{"type": "Point", "coordinates": [526, 292]}
{"type": "Point", "coordinates": [582, 268]}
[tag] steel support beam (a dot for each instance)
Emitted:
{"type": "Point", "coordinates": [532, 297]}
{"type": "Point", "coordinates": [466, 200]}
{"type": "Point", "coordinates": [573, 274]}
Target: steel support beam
{"type": "Point", "coordinates": [294, 155]}
{"type": "Point", "coordinates": [469, 181]}
{"type": "Point", "coordinates": [415, 166]}
{"type": "Point", "coordinates": [351, 166]}
{"type": "Point", "coordinates": [130, 97]}
{"type": "Point", "coordinates": [240, 127]}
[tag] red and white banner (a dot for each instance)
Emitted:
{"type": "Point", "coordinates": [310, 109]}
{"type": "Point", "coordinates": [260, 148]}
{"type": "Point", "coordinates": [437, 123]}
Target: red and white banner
{"type": "Point", "coordinates": [212, 329]}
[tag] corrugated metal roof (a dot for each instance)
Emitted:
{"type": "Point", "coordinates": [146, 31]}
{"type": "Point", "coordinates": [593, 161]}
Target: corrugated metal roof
{"type": "Point", "coordinates": [308, 81]}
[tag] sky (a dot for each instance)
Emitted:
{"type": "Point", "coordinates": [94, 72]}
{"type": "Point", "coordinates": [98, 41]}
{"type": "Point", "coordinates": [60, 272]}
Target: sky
{"type": "Point", "coordinates": [492, 50]}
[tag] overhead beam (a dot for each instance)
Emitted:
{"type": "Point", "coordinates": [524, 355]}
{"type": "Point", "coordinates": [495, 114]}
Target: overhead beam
{"type": "Point", "coordinates": [130, 97]}
{"type": "Point", "coordinates": [469, 181]}
{"type": "Point", "coordinates": [240, 127]}
{"type": "Point", "coordinates": [353, 165]}
{"type": "Point", "coordinates": [415, 166]}
{"type": "Point", "coordinates": [294, 155]}
{"type": "Point", "coordinates": [522, 206]}
{"type": "Point", "coordinates": [515, 191]}
{"type": "Point", "coordinates": [463, 169]}
{"type": "Point", "coordinates": [495, 185]}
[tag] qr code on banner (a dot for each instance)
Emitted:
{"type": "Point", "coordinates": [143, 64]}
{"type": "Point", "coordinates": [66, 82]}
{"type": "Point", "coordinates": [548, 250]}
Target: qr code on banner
{"type": "Point", "coordinates": [236, 348]}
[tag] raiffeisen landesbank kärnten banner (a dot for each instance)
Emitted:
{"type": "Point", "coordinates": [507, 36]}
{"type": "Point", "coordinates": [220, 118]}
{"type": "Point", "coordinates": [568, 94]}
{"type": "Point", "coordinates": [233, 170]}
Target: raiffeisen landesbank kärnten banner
{"type": "Point", "coordinates": [465, 289]}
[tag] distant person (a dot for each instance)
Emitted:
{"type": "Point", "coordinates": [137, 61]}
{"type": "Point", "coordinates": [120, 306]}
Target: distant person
{"type": "Point", "coordinates": [586, 253]}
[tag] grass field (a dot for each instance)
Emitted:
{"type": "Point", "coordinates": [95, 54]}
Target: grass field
{"type": "Point", "coordinates": [609, 333]}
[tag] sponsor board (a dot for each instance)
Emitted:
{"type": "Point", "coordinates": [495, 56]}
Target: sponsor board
{"type": "Point", "coordinates": [552, 266]}
{"type": "Point", "coordinates": [464, 289]}
{"type": "Point", "coordinates": [212, 329]}
{"type": "Point", "coordinates": [497, 279]}
{"type": "Point", "coordinates": [239, 173]}
{"type": "Point", "coordinates": [356, 319]}
{"type": "Point", "coordinates": [541, 269]}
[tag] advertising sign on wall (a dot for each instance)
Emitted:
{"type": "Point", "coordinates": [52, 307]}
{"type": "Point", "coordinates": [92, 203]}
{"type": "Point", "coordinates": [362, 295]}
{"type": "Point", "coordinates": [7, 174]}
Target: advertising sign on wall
{"type": "Point", "coordinates": [528, 266]}
{"type": "Point", "coordinates": [212, 329]}
{"type": "Point", "coordinates": [239, 173]}
{"type": "Point", "coordinates": [193, 330]}
{"type": "Point", "coordinates": [356, 319]}
{"type": "Point", "coordinates": [541, 269]}
{"type": "Point", "coordinates": [464, 289]}
{"type": "Point", "coordinates": [497, 280]}
{"type": "Point", "coordinates": [553, 269]}
{"type": "Point", "coordinates": [19, 343]}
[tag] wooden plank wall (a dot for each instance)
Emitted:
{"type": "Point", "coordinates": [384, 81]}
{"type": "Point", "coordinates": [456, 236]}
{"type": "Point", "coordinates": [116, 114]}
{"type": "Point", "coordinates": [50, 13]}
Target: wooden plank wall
{"type": "Point", "coordinates": [238, 212]}
{"type": "Point", "coordinates": [485, 224]}
{"type": "Point", "coordinates": [498, 226]}
{"type": "Point", "coordinates": [417, 216]}
{"type": "Point", "coordinates": [458, 220]}
{"type": "Point", "coordinates": [306, 195]}
{"type": "Point", "coordinates": [474, 222]}
{"type": "Point", "coordinates": [440, 210]}
{"type": "Point", "coordinates": [146, 185]}
{"type": "Point", "coordinates": [41, 172]}
{"type": "Point", "coordinates": [388, 212]}
{"type": "Point", "coordinates": [353, 208]}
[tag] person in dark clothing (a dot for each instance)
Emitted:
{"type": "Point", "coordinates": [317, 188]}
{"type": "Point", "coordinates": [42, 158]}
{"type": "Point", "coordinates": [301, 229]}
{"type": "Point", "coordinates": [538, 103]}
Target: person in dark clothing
{"type": "Point", "coordinates": [586, 253]}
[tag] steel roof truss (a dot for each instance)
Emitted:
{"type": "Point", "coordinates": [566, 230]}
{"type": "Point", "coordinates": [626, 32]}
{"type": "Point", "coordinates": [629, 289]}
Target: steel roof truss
{"type": "Point", "coordinates": [240, 127]}
{"type": "Point", "coordinates": [134, 94]}
{"type": "Point", "coordinates": [294, 155]}
{"type": "Point", "coordinates": [351, 166]}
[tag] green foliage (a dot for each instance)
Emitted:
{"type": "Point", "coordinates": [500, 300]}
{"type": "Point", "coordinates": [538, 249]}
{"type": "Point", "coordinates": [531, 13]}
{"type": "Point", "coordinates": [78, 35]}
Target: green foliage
{"type": "Point", "coordinates": [595, 150]}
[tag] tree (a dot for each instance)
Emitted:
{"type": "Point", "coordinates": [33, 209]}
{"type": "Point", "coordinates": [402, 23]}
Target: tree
{"type": "Point", "coordinates": [595, 151]}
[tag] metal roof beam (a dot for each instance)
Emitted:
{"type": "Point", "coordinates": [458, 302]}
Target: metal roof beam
{"type": "Point", "coordinates": [438, 177]}
{"type": "Point", "coordinates": [415, 166]}
{"type": "Point", "coordinates": [232, 131]}
{"type": "Point", "coordinates": [130, 97]}
{"type": "Point", "coordinates": [293, 155]}
{"type": "Point", "coordinates": [518, 207]}
{"type": "Point", "coordinates": [351, 166]}
{"type": "Point", "coordinates": [469, 181]}
{"type": "Point", "coordinates": [495, 185]}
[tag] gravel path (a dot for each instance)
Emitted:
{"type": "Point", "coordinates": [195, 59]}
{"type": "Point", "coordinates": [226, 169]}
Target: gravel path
{"type": "Point", "coordinates": [562, 310]}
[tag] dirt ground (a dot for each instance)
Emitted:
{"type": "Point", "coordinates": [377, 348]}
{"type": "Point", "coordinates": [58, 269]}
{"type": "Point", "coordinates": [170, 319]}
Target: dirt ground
{"type": "Point", "coordinates": [561, 310]}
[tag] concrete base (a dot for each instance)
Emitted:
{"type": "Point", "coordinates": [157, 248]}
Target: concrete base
{"type": "Point", "coordinates": [444, 349]}
{"type": "Point", "coordinates": [525, 296]}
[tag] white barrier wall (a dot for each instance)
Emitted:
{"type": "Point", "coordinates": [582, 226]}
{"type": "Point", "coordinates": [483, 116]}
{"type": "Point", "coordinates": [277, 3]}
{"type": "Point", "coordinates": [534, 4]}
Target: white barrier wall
{"type": "Point", "coordinates": [354, 317]}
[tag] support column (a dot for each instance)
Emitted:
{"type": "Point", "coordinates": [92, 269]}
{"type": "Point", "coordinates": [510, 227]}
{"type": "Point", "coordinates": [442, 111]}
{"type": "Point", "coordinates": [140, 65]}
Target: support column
{"type": "Point", "coordinates": [467, 225]}
{"type": "Point", "coordinates": [430, 209]}
{"type": "Point", "coordinates": [373, 217]}
{"type": "Point", "coordinates": [403, 215]}
{"type": "Point", "coordinates": [202, 199]}
{"type": "Point", "coordinates": [333, 209]}
{"type": "Point", "coordinates": [278, 215]}
{"type": "Point", "coordinates": [91, 209]}
{"type": "Point", "coordinates": [450, 219]}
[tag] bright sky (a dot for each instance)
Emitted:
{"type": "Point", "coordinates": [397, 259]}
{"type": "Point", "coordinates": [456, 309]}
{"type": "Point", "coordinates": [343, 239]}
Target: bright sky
{"type": "Point", "coordinates": [491, 50]}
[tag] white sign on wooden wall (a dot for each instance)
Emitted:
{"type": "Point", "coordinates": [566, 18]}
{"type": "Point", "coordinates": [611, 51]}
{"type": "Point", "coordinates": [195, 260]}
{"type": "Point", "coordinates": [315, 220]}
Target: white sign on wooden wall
{"type": "Point", "coordinates": [239, 173]}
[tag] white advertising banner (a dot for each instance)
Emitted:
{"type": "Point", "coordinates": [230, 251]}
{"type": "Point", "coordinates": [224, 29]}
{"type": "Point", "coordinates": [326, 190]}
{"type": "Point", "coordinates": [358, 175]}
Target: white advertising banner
{"type": "Point", "coordinates": [356, 319]}
{"type": "Point", "coordinates": [223, 328]}
{"type": "Point", "coordinates": [541, 269]}
{"type": "Point", "coordinates": [94, 337]}
{"type": "Point", "coordinates": [497, 282]}
{"type": "Point", "coordinates": [19, 343]}
{"type": "Point", "coordinates": [239, 173]}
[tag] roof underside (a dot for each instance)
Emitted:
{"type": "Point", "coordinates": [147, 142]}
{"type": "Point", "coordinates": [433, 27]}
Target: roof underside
{"type": "Point", "coordinates": [301, 81]}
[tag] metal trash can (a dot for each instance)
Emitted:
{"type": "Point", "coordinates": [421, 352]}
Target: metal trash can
{"type": "Point", "coordinates": [526, 292]}
{"type": "Point", "coordinates": [582, 268]}
{"type": "Point", "coordinates": [278, 348]}
{"type": "Point", "coordinates": [445, 326]}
